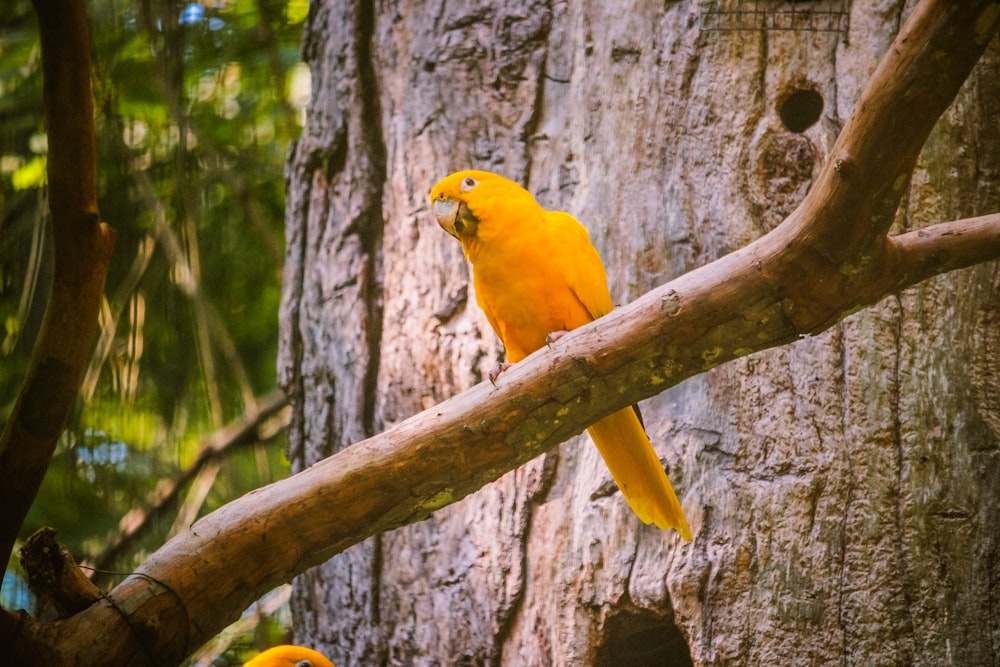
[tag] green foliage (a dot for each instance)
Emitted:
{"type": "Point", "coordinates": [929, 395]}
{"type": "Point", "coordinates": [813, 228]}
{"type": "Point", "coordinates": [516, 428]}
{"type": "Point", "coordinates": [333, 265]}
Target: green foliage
{"type": "Point", "coordinates": [195, 105]}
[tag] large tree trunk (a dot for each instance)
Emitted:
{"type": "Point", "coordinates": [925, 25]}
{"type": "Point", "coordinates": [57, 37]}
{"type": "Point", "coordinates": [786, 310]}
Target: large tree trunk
{"type": "Point", "coordinates": [842, 490]}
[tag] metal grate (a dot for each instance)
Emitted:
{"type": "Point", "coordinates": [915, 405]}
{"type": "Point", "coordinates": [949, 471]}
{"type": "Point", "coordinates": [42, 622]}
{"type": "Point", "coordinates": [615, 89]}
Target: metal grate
{"type": "Point", "coordinates": [815, 16]}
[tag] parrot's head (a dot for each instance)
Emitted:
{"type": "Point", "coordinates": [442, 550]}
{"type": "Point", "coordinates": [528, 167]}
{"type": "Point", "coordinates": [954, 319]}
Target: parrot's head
{"type": "Point", "coordinates": [288, 655]}
{"type": "Point", "coordinates": [474, 205]}
{"type": "Point", "coordinates": [450, 202]}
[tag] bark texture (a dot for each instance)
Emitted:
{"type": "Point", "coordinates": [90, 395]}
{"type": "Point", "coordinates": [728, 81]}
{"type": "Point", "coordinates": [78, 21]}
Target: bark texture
{"type": "Point", "coordinates": [842, 489]}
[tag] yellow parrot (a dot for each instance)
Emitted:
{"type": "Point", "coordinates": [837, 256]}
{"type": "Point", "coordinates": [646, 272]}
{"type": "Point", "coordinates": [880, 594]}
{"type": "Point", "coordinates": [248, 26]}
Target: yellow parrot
{"type": "Point", "coordinates": [288, 655]}
{"type": "Point", "coordinates": [537, 275]}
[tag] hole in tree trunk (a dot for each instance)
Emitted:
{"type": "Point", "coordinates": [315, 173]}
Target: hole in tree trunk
{"type": "Point", "coordinates": [801, 109]}
{"type": "Point", "coordinates": [642, 639]}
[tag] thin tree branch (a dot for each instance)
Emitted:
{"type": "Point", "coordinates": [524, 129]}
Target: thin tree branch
{"type": "Point", "coordinates": [112, 313]}
{"type": "Point", "coordinates": [248, 429]}
{"type": "Point", "coordinates": [82, 252]}
{"type": "Point", "coordinates": [947, 246]}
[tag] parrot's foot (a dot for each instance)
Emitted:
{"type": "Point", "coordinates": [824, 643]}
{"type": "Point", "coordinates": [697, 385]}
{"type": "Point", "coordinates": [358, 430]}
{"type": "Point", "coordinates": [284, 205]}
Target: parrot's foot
{"type": "Point", "coordinates": [554, 336]}
{"type": "Point", "coordinates": [495, 373]}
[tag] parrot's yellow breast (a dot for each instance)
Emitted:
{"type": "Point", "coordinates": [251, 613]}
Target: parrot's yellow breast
{"type": "Point", "coordinates": [525, 311]}
{"type": "Point", "coordinates": [526, 283]}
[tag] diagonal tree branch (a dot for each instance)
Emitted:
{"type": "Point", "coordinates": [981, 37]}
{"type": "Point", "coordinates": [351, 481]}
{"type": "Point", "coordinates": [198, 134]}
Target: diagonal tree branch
{"type": "Point", "coordinates": [82, 253]}
{"type": "Point", "coordinates": [839, 230]}
{"type": "Point", "coordinates": [829, 258]}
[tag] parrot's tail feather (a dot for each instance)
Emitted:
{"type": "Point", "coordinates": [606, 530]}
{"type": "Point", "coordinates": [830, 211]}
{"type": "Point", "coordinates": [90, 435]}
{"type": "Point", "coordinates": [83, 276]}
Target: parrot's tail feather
{"type": "Point", "coordinates": [637, 471]}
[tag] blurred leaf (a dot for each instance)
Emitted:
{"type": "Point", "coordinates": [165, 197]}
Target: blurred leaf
{"type": "Point", "coordinates": [30, 175]}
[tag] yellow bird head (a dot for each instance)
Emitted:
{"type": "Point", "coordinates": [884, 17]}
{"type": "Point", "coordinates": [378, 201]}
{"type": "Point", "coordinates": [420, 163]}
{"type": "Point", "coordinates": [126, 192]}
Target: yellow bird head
{"type": "Point", "coordinates": [288, 655]}
{"type": "Point", "coordinates": [476, 205]}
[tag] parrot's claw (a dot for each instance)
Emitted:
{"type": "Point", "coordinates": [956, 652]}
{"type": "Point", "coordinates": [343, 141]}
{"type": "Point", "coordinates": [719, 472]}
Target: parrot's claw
{"type": "Point", "coordinates": [554, 336]}
{"type": "Point", "coordinates": [495, 372]}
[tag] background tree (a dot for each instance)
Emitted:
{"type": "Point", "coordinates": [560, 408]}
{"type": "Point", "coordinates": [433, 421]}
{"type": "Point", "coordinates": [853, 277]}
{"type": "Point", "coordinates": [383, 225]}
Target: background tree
{"type": "Point", "coordinates": [840, 488]}
{"type": "Point", "coordinates": [195, 105]}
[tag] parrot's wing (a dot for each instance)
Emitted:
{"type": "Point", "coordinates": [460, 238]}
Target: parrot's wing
{"type": "Point", "coordinates": [584, 270]}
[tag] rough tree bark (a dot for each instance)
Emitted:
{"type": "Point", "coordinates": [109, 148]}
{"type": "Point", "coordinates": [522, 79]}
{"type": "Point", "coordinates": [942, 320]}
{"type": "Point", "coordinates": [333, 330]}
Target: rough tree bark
{"type": "Point", "coordinates": [842, 489]}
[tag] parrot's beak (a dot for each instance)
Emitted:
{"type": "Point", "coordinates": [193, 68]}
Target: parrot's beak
{"type": "Point", "coordinates": [445, 211]}
{"type": "Point", "coordinates": [454, 216]}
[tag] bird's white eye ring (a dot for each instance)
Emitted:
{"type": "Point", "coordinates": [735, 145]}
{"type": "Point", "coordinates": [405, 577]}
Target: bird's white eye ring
{"type": "Point", "coordinates": [468, 183]}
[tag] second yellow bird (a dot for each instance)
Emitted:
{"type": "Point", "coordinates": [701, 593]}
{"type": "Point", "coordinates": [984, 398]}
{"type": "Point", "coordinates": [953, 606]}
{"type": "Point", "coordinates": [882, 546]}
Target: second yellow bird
{"type": "Point", "coordinates": [536, 273]}
{"type": "Point", "coordinates": [289, 655]}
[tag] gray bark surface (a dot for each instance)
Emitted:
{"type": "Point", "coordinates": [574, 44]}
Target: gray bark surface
{"type": "Point", "coordinates": [842, 490]}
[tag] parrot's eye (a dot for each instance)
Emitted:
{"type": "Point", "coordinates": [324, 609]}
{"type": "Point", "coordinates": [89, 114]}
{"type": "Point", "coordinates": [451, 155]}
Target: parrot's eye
{"type": "Point", "coordinates": [468, 184]}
